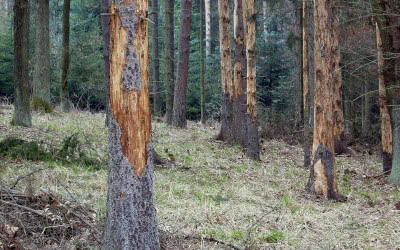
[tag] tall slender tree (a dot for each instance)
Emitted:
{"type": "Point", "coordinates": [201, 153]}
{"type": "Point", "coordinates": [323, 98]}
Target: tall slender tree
{"type": "Point", "coordinates": [156, 60]}
{"type": "Point", "coordinates": [306, 88]}
{"type": "Point", "coordinates": [253, 144]}
{"type": "Point", "coordinates": [169, 58]}
{"type": "Point", "coordinates": [131, 215]}
{"type": "Point", "coordinates": [179, 116]}
{"type": "Point", "coordinates": [41, 74]}
{"type": "Point", "coordinates": [105, 26]}
{"type": "Point", "coordinates": [226, 132]}
{"type": "Point", "coordinates": [207, 4]}
{"type": "Point", "coordinates": [202, 65]}
{"type": "Point", "coordinates": [239, 77]}
{"type": "Point", "coordinates": [323, 178]}
{"type": "Point", "coordinates": [22, 109]}
{"type": "Point", "coordinates": [64, 94]}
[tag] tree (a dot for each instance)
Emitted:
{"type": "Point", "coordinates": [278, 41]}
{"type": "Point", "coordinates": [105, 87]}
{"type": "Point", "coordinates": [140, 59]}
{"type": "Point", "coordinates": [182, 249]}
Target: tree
{"type": "Point", "coordinates": [64, 95]}
{"type": "Point", "coordinates": [41, 74]}
{"type": "Point", "coordinates": [207, 4]}
{"type": "Point", "coordinates": [169, 58]}
{"type": "Point", "coordinates": [226, 132]}
{"type": "Point", "coordinates": [239, 77]}
{"type": "Point", "coordinates": [388, 36]}
{"type": "Point", "coordinates": [202, 65]}
{"type": "Point", "coordinates": [253, 144]}
{"type": "Point", "coordinates": [179, 116]}
{"type": "Point", "coordinates": [22, 109]}
{"type": "Point", "coordinates": [131, 215]}
{"type": "Point", "coordinates": [105, 26]}
{"type": "Point", "coordinates": [306, 88]}
{"type": "Point", "coordinates": [156, 60]}
{"type": "Point", "coordinates": [323, 179]}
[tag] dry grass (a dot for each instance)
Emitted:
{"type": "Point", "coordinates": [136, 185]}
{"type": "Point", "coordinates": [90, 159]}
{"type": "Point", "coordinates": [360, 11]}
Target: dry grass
{"type": "Point", "coordinates": [213, 191]}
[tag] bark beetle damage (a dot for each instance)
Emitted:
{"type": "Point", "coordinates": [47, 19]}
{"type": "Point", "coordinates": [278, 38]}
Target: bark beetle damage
{"type": "Point", "coordinates": [325, 173]}
{"type": "Point", "coordinates": [129, 92]}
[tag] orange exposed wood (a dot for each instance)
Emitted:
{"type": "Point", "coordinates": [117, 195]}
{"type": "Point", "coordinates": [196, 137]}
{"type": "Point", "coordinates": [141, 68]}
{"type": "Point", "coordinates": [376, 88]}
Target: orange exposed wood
{"type": "Point", "coordinates": [130, 106]}
{"type": "Point", "coordinates": [225, 48]}
{"type": "Point", "coordinates": [386, 125]}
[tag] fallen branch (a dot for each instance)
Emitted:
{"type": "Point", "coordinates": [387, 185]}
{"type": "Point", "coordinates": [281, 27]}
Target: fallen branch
{"type": "Point", "coordinates": [24, 176]}
{"type": "Point", "coordinates": [25, 208]}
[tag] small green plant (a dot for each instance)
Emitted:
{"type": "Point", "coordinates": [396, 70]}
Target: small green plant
{"type": "Point", "coordinates": [237, 235]}
{"type": "Point", "coordinates": [273, 237]}
{"type": "Point", "coordinates": [20, 149]}
{"type": "Point", "coordinates": [290, 203]}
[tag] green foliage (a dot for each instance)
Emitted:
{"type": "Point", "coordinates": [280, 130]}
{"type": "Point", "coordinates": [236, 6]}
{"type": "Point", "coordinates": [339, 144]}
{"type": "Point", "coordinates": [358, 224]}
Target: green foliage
{"type": "Point", "coordinates": [39, 104]}
{"type": "Point", "coordinates": [6, 62]}
{"type": "Point", "coordinates": [273, 237]}
{"type": "Point", "coordinates": [72, 151]}
{"type": "Point", "coordinates": [20, 149]}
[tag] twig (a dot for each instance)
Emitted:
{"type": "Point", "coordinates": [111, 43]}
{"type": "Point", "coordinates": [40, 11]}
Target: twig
{"type": "Point", "coordinates": [24, 176]}
{"type": "Point", "coordinates": [23, 207]}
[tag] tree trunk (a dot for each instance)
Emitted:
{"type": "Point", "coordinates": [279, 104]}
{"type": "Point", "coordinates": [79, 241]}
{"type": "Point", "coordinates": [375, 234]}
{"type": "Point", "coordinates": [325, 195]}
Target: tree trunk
{"type": "Point", "coordinates": [179, 117]}
{"type": "Point", "coordinates": [226, 132]}
{"type": "Point", "coordinates": [253, 144]}
{"type": "Point", "coordinates": [207, 4]}
{"type": "Point", "coordinates": [105, 26]}
{"type": "Point", "coordinates": [324, 180]}
{"type": "Point", "coordinates": [41, 74]}
{"type": "Point", "coordinates": [265, 21]}
{"type": "Point", "coordinates": [384, 102]}
{"type": "Point", "coordinates": [131, 215]}
{"type": "Point", "coordinates": [22, 109]}
{"type": "Point", "coordinates": [306, 90]}
{"type": "Point", "coordinates": [239, 78]}
{"type": "Point", "coordinates": [202, 65]}
{"type": "Point", "coordinates": [169, 58]}
{"type": "Point", "coordinates": [156, 60]}
{"type": "Point", "coordinates": [64, 95]}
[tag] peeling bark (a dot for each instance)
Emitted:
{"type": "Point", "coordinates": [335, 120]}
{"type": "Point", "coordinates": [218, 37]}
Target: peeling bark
{"type": "Point", "coordinates": [226, 132]}
{"type": "Point", "coordinates": [253, 144]}
{"type": "Point", "coordinates": [131, 216]}
{"type": "Point", "coordinates": [326, 77]}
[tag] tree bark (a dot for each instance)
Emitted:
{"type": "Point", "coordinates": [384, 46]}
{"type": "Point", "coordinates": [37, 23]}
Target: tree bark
{"type": "Point", "coordinates": [22, 109]}
{"type": "Point", "coordinates": [169, 58]}
{"type": "Point", "coordinates": [226, 132]}
{"type": "Point", "coordinates": [156, 60]}
{"type": "Point", "coordinates": [239, 78]}
{"type": "Point", "coordinates": [179, 117]}
{"type": "Point", "coordinates": [385, 77]}
{"type": "Point", "coordinates": [105, 26]}
{"type": "Point", "coordinates": [41, 74]}
{"type": "Point", "coordinates": [202, 65]}
{"type": "Point", "coordinates": [265, 21]}
{"type": "Point", "coordinates": [64, 94]}
{"type": "Point", "coordinates": [306, 89]}
{"type": "Point", "coordinates": [207, 4]}
{"type": "Point", "coordinates": [366, 110]}
{"type": "Point", "coordinates": [131, 215]}
{"type": "Point", "coordinates": [324, 180]}
{"type": "Point", "coordinates": [253, 144]}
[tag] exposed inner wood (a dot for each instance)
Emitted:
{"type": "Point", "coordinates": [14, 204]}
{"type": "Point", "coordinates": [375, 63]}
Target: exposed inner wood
{"type": "Point", "coordinates": [130, 107]}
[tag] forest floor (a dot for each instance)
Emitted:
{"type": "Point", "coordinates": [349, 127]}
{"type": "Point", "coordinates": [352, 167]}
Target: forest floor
{"type": "Point", "coordinates": [209, 196]}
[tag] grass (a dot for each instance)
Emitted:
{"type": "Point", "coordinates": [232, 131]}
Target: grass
{"type": "Point", "coordinates": [213, 190]}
